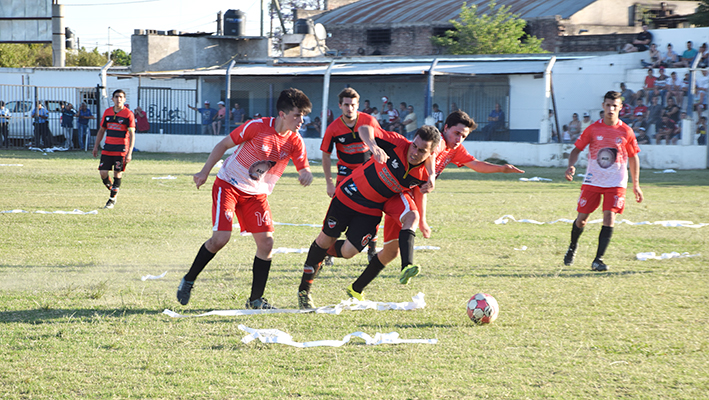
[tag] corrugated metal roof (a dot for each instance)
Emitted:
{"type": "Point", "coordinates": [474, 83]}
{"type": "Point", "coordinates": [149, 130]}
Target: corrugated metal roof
{"type": "Point", "coordinates": [373, 12]}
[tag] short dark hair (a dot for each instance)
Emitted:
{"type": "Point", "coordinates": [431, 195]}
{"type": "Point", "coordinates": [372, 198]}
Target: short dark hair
{"type": "Point", "coordinates": [429, 133]}
{"type": "Point", "coordinates": [349, 93]}
{"type": "Point", "coordinates": [611, 95]}
{"type": "Point", "coordinates": [292, 98]}
{"type": "Point", "coordinates": [460, 117]}
{"type": "Point", "coordinates": [118, 91]}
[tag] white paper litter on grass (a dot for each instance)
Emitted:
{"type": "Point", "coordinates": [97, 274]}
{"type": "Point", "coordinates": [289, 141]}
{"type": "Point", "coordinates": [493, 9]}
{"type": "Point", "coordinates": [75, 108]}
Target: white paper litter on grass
{"type": "Point", "coordinates": [11, 165]}
{"type": "Point", "coordinates": [523, 248]}
{"type": "Point", "coordinates": [280, 337]}
{"type": "Point", "coordinates": [416, 302]}
{"type": "Point", "coordinates": [304, 250]}
{"type": "Point", "coordinates": [146, 277]}
{"type": "Point", "coordinates": [684, 224]}
{"type": "Point", "coordinates": [75, 212]}
{"type": "Point", "coordinates": [666, 171]}
{"type": "Point", "coordinates": [49, 150]}
{"type": "Point", "coordinates": [165, 177]}
{"type": "Point", "coordinates": [650, 255]}
{"type": "Point", "coordinates": [535, 179]}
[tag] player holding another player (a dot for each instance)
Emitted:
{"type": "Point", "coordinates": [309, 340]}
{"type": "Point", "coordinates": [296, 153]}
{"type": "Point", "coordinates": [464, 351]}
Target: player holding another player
{"type": "Point", "coordinates": [396, 166]}
{"type": "Point", "coordinates": [118, 124]}
{"type": "Point", "coordinates": [343, 134]}
{"type": "Point", "coordinates": [612, 149]}
{"type": "Point", "coordinates": [243, 184]}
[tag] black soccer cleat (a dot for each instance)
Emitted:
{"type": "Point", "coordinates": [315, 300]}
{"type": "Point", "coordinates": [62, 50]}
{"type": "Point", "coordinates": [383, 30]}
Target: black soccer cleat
{"type": "Point", "coordinates": [569, 257]}
{"type": "Point", "coordinates": [599, 266]}
{"type": "Point", "coordinates": [259, 304]}
{"type": "Point", "coordinates": [184, 291]}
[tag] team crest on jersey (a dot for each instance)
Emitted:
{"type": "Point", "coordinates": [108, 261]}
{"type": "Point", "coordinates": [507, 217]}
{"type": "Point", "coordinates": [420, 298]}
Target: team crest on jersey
{"type": "Point", "coordinates": [229, 215]}
{"type": "Point", "coordinates": [583, 201]}
{"type": "Point", "coordinates": [259, 168]}
{"type": "Point", "coordinates": [395, 164]}
{"type": "Point", "coordinates": [599, 137]}
{"type": "Point", "coordinates": [341, 139]}
{"type": "Point", "coordinates": [284, 155]}
{"type": "Point", "coordinates": [331, 223]}
{"type": "Point", "coordinates": [265, 148]}
{"type": "Point", "coordinates": [366, 239]}
{"type": "Point", "coordinates": [618, 140]}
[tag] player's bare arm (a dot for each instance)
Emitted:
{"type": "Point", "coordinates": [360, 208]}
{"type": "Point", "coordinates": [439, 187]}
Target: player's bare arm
{"type": "Point", "coordinates": [131, 136]}
{"type": "Point", "coordinates": [634, 166]}
{"type": "Point", "coordinates": [97, 142]}
{"type": "Point", "coordinates": [420, 199]}
{"type": "Point", "coordinates": [327, 170]}
{"type": "Point", "coordinates": [366, 133]}
{"type": "Point", "coordinates": [573, 157]}
{"type": "Point", "coordinates": [484, 167]}
{"type": "Point", "coordinates": [429, 164]}
{"type": "Point", "coordinates": [217, 153]}
{"type": "Point", "coordinates": [305, 177]}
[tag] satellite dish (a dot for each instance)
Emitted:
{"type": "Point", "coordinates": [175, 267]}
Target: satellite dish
{"type": "Point", "coordinates": [320, 33]}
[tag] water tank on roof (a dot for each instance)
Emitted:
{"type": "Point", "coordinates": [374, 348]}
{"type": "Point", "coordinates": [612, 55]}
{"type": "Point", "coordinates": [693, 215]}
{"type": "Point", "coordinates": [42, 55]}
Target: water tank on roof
{"type": "Point", "coordinates": [303, 26]}
{"type": "Point", "coordinates": [234, 23]}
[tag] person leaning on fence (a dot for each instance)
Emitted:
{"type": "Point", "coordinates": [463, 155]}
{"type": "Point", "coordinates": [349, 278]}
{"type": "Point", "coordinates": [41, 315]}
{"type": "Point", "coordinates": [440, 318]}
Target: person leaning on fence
{"type": "Point", "coordinates": [219, 120]}
{"type": "Point", "coordinates": [208, 115]}
{"type": "Point", "coordinates": [4, 120]}
{"type": "Point", "coordinates": [41, 126]}
{"type": "Point", "coordinates": [142, 124]}
{"type": "Point", "coordinates": [83, 124]}
{"type": "Point", "coordinates": [67, 122]}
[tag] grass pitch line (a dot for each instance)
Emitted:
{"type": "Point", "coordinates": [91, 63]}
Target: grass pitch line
{"type": "Point", "coordinates": [75, 212]}
{"type": "Point", "coordinates": [669, 224]}
{"type": "Point", "coordinates": [280, 337]}
{"type": "Point", "coordinates": [284, 250]}
{"type": "Point", "coordinates": [417, 302]}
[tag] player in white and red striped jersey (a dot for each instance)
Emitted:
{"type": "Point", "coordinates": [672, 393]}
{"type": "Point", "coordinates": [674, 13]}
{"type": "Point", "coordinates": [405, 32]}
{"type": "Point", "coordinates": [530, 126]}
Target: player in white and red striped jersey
{"type": "Point", "coordinates": [612, 149]}
{"type": "Point", "coordinates": [263, 148]}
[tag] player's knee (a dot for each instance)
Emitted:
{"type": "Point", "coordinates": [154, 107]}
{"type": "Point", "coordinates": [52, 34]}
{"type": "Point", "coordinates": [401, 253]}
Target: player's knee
{"type": "Point", "coordinates": [389, 252]}
{"type": "Point", "coordinates": [410, 220]}
{"type": "Point", "coordinates": [349, 250]}
{"type": "Point", "coordinates": [217, 242]}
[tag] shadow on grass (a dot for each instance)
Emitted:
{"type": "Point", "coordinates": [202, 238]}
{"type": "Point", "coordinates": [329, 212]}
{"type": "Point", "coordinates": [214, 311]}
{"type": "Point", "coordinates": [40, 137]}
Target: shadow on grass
{"type": "Point", "coordinates": [44, 315]}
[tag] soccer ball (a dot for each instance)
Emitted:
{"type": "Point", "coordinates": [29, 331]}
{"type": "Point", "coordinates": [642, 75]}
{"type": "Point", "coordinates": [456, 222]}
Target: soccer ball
{"type": "Point", "coordinates": [483, 308]}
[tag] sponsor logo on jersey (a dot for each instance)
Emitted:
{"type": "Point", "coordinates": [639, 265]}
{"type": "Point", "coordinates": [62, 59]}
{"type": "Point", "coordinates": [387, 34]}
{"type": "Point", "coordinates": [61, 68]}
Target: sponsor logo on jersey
{"type": "Point", "coordinates": [114, 126]}
{"type": "Point", "coordinates": [395, 163]}
{"type": "Point", "coordinates": [259, 169]}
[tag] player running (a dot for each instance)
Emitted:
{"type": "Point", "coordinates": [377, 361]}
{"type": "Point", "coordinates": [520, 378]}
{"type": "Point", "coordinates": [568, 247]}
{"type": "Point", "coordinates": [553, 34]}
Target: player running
{"type": "Point", "coordinates": [343, 134]}
{"type": "Point", "coordinates": [356, 207]}
{"type": "Point", "coordinates": [612, 149]}
{"type": "Point", "coordinates": [243, 184]}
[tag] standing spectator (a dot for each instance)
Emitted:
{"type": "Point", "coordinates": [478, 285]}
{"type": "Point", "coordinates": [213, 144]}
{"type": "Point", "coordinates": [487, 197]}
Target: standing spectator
{"type": "Point", "coordinates": [410, 123]}
{"type": "Point", "coordinates": [141, 120]}
{"type": "Point", "coordinates": [671, 58]}
{"type": "Point", "coordinates": [243, 184]}
{"type": "Point", "coordinates": [437, 115]}
{"type": "Point", "coordinates": [4, 120]}
{"type": "Point", "coordinates": [702, 130]}
{"type": "Point", "coordinates": [641, 42]}
{"type": "Point", "coordinates": [208, 115]}
{"type": "Point", "coordinates": [219, 120]}
{"type": "Point", "coordinates": [655, 58]}
{"type": "Point", "coordinates": [586, 121]}
{"type": "Point", "coordinates": [83, 124]}
{"type": "Point", "coordinates": [687, 56]}
{"type": "Point", "coordinates": [392, 117]}
{"type": "Point", "coordinates": [649, 86]}
{"type": "Point", "coordinates": [67, 123]}
{"type": "Point", "coordinates": [454, 107]}
{"type": "Point", "coordinates": [41, 126]}
{"type": "Point", "coordinates": [612, 149]}
{"type": "Point", "coordinates": [237, 114]}
{"type": "Point", "coordinates": [403, 112]}
{"type": "Point", "coordinates": [367, 108]}
{"type": "Point", "coordinates": [575, 127]}
{"type": "Point", "coordinates": [554, 132]}
{"type": "Point", "coordinates": [496, 120]}
{"type": "Point", "coordinates": [654, 113]}
{"type": "Point", "coordinates": [118, 124]}
{"type": "Point", "coordinates": [330, 117]}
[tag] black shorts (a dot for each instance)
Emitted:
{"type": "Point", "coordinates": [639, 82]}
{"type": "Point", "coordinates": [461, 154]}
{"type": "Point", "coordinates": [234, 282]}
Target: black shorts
{"type": "Point", "coordinates": [361, 228]}
{"type": "Point", "coordinates": [116, 163]}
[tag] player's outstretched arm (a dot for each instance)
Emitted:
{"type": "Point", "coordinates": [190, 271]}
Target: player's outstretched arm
{"type": "Point", "coordinates": [573, 157]}
{"type": "Point", "coordinates": [634, 165]}
{"type": "Point", "coordinates": [366, 133]}
{"type": "Point", "coordinates": [488, 168]}
{"type": "Point", "coordinates": [429, 164]}
{"type": "Point", "coordinates": [217, 153]}
{"type": "Point", "coordinates": [305, 177]}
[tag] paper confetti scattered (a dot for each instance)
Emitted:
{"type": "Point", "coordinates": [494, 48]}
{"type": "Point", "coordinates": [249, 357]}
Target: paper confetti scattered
{"type": "Point", "coordinates": [146, 277]}
{"type": "Point", "coordinates": [280, 337]}
{"type": "Point", "coordinates": [75, 212]}
{"type": "Point", "coordinates": [650, 255]}
{"type": "Point", "coordinates": [673, 223]}
{"type": "Point", "coordinates": [535, 179]}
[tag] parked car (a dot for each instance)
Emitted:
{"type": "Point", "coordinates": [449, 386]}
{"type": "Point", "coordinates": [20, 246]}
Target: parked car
{"type": "Point", "coordinates": [21, 122]}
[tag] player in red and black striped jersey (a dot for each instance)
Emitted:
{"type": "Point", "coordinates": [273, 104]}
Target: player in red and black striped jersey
{"type": "Point", "coordinates": [344, 136]}
{"type": "Point", "coordinates": [396, 165]}
{"type": "Point", "coordinates": [118, 124]}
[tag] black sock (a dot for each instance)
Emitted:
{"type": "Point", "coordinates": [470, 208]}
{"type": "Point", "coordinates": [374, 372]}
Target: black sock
{"type": "Point", "coordinates": [373, 269]}
{"type": "Point", "coordinates": [204, 256]}
{"type": "Point", "coordinates": [316, 255]}
{"type": "Point", "coordinates": [260, 271]}
{"type": "Point", "coordinates": [406, 247]}
{"type": "Point", "coordinates": [116, 187]}
{"type": "Point", "coordinates": [575, 234]}
{"type": "Point", "coordinates": [604, 238]}
{"type": "Point", "coordinates": [107, 182]}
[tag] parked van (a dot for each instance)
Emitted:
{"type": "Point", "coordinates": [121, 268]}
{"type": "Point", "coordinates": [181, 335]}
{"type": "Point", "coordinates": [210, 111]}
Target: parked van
{"type": "Point", "coordinates": [21, 126]}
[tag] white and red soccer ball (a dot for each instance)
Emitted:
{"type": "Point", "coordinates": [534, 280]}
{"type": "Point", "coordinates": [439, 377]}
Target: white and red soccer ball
{"type": "Point", "coordinates": [483, 308]}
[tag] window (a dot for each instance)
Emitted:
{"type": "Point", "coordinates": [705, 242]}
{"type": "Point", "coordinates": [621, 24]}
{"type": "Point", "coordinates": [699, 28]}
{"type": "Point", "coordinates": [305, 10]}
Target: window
{"type": "Point", "coordinates": [378, 37]}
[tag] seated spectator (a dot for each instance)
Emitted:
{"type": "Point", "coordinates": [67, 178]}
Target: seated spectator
{"type": "Point", "coordinates": [237, 114]}
{"type": "Point", "coordinates": [661, 84]}
{"type": "Point", "coordinates": [392, 119]}
{"type": "Point", "coordinates": [687, 56]}
{"type": "Point", "coordinates": [641, 135]}
{"type": "Point", "coordinates": [367, 108]}
{"type": "Point", "coordinates": [685, 85]}
{"type": "Point", "coordinates": [649, 86]}
{"type": "Point", "coordinates": [641, 42]}
{"type": "Point", "coordinates": [496, 120]}
{"type": "Point", "coordinates": [586, 121]}
{"type": "Point", "coordinates": [672, 110]}
{"type": "Point", "coordinates": [640, 114]}
{"type": "Point", "coordinates": [317, 125]}
{"type": "Point", "coordinates": [640, 121]}
{"type": "Point", "coordinates": [625, 114]}
{"type": "Point", "coordinates": [667, 129]}
{"type": "Point", "coordinates": [703, 56]}
{"type": "Point", "coordinates": [565, 136]}
{"type": "Point", "coordinates": [220, 119]}
{"type": "Point", "coordinates": [437, 115]}
{"type": "Point", "coordinates": [575, 127]}
{"type": "Point", "coordinates": [655, 58]}
{"type": "Point", "coordinates": [674, 88]}
{"type": "Point", "coordinates": [377, 115]}
{"type": "Point", "coordinates": [702, 85]}
{"type": "Point", "coordinates": [410, 123]}
{"type": "Point", "coordinates": [628, 94]}
{"type": "Point", "coordinates": [702, 130]}
{"type": "Point", "coordinates": [654, 113]}
{"type": "Point", "coordinates": [671, 58]}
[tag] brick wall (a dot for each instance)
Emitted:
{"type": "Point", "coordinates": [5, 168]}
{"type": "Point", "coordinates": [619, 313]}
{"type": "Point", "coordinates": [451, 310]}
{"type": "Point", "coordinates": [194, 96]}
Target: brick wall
{"type": "Point", "coordinates": [406, 40]}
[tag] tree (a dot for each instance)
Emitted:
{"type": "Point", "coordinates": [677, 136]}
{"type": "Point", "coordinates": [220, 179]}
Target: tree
{"type": "Point", "coordinates": [496, 32]}
{"type": "Point", "coordinates": [18, 55]}
{"type": "Point", "coordinates": [701, 17]}
{"type": "Point", "coordinates": [83, 58]}
{"type": "Point", "coordinates": [120, 57]}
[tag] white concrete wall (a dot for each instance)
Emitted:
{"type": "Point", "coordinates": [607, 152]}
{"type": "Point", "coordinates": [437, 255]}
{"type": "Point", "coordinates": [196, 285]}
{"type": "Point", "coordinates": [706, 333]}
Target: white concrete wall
{"type": "Point", "coordinates": [526, 102]}
{"type": "Point", "coordinates": [523, 154]}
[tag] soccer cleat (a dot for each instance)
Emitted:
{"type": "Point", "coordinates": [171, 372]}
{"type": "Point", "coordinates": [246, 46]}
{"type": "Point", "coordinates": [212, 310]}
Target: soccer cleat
{"type": "Point", "coordinates": [259, 304]}
{"type": "Point", "coordinates": [569, 257]}
{"type": "Point", "coordinates": [110, 203]}
{"type": "Point", "coordinates": [184, 291]}
{"type": "Point", "coordinates": [407, 273]}
{"type": "Point", "coordinates": [305, 300]}
{"type": "Point", "coordinates": [598, 265]}
{"type": "Point", "coordinates": [355, 295]}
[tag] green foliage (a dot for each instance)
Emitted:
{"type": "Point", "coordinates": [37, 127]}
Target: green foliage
{"type": "Point", "coordinates": [84, 58]}
{"type": "Point", "coordinates": [496, 32]}
{"type": "Point", "coordinates": [78, 322]}
{"type": "Point", "coordinates": [701, 17]}
{"type": "Point", "coordinates": [18, 55]}
{"type": "Point", "coordinates": [120, 57]}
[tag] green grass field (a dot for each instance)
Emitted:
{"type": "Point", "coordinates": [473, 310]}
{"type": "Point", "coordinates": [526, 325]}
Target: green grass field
{"type": "Point", "coordinates": [78, 322]}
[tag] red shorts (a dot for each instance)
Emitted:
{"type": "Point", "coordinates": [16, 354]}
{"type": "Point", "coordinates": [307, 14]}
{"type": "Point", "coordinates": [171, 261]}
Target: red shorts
{"type": "Point", "coordinates": [394, 209]}
{"type": "Point", "coordinates": [252, 211]}
{"type": "Point", "coordinates": [590, 198]}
